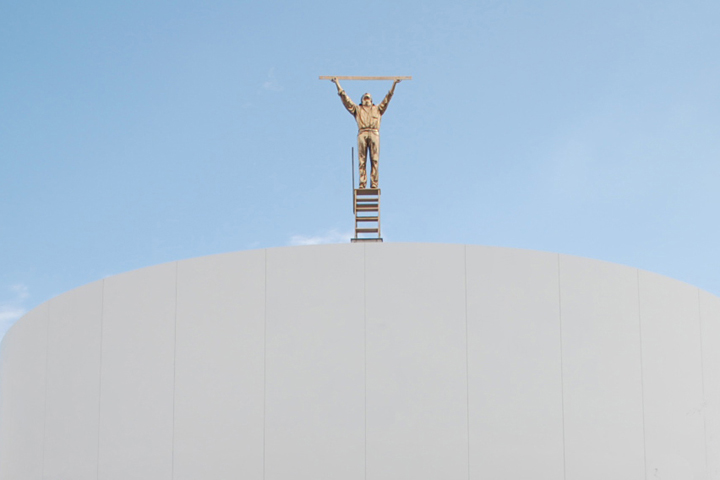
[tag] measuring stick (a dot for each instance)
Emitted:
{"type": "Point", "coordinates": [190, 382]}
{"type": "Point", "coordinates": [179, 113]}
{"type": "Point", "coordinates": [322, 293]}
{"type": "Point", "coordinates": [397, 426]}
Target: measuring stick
{"type": "Point", "coordinates": [352, 165]}
{"type": "Point", "coordinates": [346, 77]}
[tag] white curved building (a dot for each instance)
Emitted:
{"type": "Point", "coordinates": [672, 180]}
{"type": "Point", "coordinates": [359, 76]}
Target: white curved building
{"type": "Point", "coordinates": [366, 362]}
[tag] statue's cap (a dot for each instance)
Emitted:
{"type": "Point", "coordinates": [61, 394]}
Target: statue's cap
{"type": "Point", "coordinates": [366, 95]}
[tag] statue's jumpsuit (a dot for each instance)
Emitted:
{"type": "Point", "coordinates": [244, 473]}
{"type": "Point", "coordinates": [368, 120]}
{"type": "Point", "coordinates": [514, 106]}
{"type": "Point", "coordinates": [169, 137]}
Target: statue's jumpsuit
{"type": "Point", "coordinates": [368, 121]}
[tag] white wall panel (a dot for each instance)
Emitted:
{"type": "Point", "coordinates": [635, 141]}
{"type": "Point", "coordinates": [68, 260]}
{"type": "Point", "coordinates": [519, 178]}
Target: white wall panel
{"type": "Point", "coordinates": [515, 386]}
{"type": "Point", "coordinates": [710, 318]}
{"type": "Point", "coordinates": [73, 384]}
{"type": "Point", "coordinates": [136, 394]}
{"type": "Point", "coordinates": [366, 362]}
{"type": "Point", "coordinates": [314, 383]}
{"type": "Point", "coordinates": [602, 371]}
{"type": "Point", "coordinates": [674, 426]}
{"type": "Point", "coordinates": [416, 362]}
{"type": "Point", "coordinates": [22, 409]}
{"type": "Point", "coordinates": [219, 367]}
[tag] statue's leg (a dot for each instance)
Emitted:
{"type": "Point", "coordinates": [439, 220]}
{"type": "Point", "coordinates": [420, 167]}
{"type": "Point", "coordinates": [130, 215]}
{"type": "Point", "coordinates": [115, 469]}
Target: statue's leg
{"type": "Point", "coordinates": [374, 141]}
{"type": "Point", "coordinates": [362, 157]}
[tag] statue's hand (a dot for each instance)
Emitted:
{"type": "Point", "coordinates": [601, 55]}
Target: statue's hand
{"type": "Point", "coordinates": [397, 80]}
{"type": "Point", "coordinates": [334, 80]}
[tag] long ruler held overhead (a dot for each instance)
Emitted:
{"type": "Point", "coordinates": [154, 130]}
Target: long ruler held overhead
{"type": "Point", "coordinates": [351, 77]}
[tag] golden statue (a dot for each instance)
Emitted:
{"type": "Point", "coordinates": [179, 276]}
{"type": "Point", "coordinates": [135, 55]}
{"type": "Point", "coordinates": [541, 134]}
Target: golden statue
{"type": "Point", "coordinates": [367, 115]}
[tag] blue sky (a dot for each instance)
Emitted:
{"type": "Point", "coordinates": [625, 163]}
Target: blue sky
{"type": "Point", "coordinates": [136, 133]}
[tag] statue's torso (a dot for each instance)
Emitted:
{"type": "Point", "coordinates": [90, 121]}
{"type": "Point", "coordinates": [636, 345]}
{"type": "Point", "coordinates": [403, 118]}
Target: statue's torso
{"type": "Point", "coordinates": [368, 117]}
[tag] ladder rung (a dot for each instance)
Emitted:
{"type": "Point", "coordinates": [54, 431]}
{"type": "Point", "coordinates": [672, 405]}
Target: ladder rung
{"type": "Point", "coordinates": [366, 230]}
{"type": "Point", "coordinates": [367, 208]}
{"type": "Point", "coordinates": [367, 219]}
{"type": "Point", "coordinates": [367, 191]}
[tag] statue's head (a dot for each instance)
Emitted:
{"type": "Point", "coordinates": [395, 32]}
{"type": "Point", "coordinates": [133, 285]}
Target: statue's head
{"type": "Point", "coordinates": [366, 100]}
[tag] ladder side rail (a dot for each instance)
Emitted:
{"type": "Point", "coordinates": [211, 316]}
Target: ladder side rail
{"type": "Point", "coordinates": [378, 215]}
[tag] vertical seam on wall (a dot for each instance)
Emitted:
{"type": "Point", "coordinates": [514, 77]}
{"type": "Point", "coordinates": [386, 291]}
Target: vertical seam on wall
{"type": "Point", "coordinates": [702, 373]}
{"type": "Point", "coordinates": [365, 349]}
{"type": "Point", "coordinates": [264, 367]}
{"type": "Point", "coordinates": [47, 355]}
{"type": "Point", "coordinates": [172, 467]}
{"type": "Point", "coordinates": [642, 372]}
{"type": "Point", "coordinates": [467, 363]}
{"type": "Point", "coordinates": [102, 317]}
{"type": "Point", "coordinates": [562, 367]}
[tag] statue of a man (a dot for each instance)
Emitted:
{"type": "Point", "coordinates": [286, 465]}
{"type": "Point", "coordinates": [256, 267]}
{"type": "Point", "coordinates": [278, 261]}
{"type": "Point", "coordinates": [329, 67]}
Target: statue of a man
{"type": "Point", "coordinates": [367, 115]}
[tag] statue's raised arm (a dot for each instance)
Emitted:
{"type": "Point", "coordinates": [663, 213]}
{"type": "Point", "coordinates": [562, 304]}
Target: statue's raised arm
{"type": "Point", "coordinates": [349, 104]}
{"type": "Point", "coordinates": [384, 104]}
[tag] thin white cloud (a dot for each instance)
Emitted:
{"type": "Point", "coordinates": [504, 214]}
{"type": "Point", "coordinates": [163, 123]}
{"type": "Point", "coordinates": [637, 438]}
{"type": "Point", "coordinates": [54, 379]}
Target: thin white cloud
{"type": "Point", "coordinates": [21, 292]}
{"type": "Point", "coordinates": [12, 307]}
{"type": "Point", "coordinates": [331, 236]}
{"type": "Point", "coordinates": [271, 83]}
{"type": "Point", "coordinates": [9, 315]}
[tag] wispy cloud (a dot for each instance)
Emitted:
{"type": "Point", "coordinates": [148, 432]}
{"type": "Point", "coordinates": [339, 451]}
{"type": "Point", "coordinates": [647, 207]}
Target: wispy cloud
{"type": "Point", "coordinates": [9, 314]}
{"type": "Point", "coordinates": [12, 307]}
{"type": "Point", "coordinates": [331, 236]}
{"type": "Point", "coordinates": [271, 83]}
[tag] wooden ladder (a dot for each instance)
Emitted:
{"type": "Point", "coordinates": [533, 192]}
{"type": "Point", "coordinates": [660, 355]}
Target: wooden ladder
{"type": "Point", "coordinates": [366, 207]}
